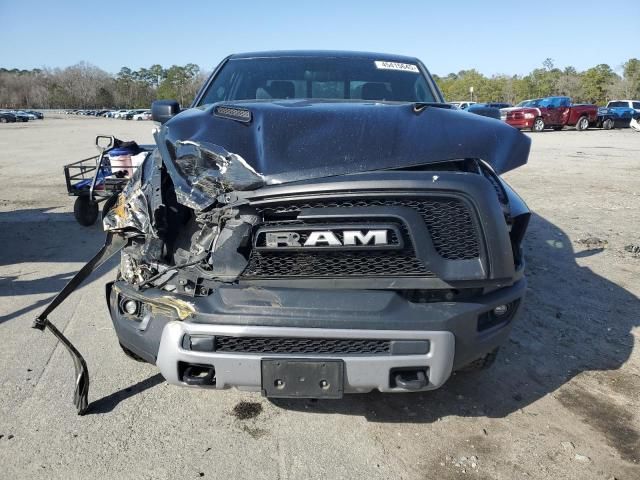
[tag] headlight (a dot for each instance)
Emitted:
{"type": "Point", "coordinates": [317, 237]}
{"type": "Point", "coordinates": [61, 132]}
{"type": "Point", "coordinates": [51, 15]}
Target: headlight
{"type": "Point", "coordinates": [529, 115]}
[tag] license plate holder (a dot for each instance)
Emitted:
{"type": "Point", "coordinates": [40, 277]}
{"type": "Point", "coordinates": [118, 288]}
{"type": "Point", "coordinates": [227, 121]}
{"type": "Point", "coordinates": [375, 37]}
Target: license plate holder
{"type": "Point", "coordinates": [300, 378]}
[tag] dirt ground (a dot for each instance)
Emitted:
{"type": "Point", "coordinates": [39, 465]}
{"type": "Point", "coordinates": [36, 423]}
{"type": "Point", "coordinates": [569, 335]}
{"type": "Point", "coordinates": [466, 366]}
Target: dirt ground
{"type": "Point", "coordinates": [561, 402]}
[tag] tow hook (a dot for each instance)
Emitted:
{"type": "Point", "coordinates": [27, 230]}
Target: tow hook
{"type": "Point", "coordinates": [199, 375]}
{"type": "Point", "coordinates": [410, 379]}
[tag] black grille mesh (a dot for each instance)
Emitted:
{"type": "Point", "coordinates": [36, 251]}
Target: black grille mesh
{"type": "Point", "coordinates": [321, 346]}
{"type": "Point", "coordinates": [335, 264]}
{"type": "Point", "coordinates": [448, 220]}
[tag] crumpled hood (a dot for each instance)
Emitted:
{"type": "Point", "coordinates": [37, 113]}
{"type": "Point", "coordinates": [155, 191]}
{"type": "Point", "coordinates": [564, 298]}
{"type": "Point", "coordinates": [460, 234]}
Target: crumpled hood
{"type": "Point", "coordinates": [293, 140]}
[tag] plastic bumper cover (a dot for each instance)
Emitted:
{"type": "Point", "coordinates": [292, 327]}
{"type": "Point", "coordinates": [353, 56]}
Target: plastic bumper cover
{"type": "Point", "coordinates": [362, 373]}
{"type": "Point", "coordinates": [452, 328]}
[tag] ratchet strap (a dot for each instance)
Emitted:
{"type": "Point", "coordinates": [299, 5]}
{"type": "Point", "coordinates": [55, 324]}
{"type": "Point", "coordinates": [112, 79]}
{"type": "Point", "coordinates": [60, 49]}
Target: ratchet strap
{"type": "Point", "coordinates": [113, 244]}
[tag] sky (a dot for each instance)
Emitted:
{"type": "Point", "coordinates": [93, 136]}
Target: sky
{"type": "Point", "coordinates": [494, 37]}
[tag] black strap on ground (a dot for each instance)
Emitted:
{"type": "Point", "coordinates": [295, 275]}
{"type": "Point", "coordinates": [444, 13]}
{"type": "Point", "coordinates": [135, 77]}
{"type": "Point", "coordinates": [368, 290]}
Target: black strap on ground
{"type": "Point", "coordinates": [113, 244]}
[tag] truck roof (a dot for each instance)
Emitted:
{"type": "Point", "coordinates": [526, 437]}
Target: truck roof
{"type": "Point", "coordinates": [326, 53]}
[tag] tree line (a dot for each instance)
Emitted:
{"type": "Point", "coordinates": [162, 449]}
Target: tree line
{"type": "Point", "coordinates": [86, 86]}
{"type": "Point", "coordinates": [598, 84]}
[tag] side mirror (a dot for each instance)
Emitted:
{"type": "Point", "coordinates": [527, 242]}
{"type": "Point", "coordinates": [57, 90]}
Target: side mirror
{"type": "Point", "coordinates": [164, 110]}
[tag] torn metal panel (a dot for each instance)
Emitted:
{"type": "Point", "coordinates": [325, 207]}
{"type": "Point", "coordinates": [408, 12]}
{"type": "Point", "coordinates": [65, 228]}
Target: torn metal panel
{"type": "Point", "coordinates": [202, 170]}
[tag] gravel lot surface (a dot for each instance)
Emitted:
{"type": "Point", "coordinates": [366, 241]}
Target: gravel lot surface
{"type": "Point", "coordinates": [561, 402]}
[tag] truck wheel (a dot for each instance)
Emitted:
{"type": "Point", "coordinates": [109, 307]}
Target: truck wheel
{"type": "Point", "coordinates": [583, 124]}
{"type": "Point", "coordinates": [3, 120]}
{"type": "Point", "coordinates": [85, 211]}
{"type": "Point", "coordinates": [481, 363]}
{"type": "Point", "coordinates": [607, 124]}
{"type": "Point", "coordinates": [538, 125]}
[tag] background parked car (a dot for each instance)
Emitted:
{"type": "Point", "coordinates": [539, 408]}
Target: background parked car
{"type": "Point", "coordinates": [38, 115]}
{"type": "Point", "coordinates": [130, 114]}
{"type": "Point", "coordinates": [550, 112]}
{"type": "Point", "coordinates": [498, 105]}
{"type": "Point", "coordinates": [146, 115]}
{"type": "Point", "coordinates": [30, 116]}
{"type": "Point", "coordinates": [484, 109]}
{"type": "Point", "coordinates": [21, 116]}
{"type": "Point", "coordinates": [617, 117]}
{"type": "Point", "coordinates": [635, 104]}
{"type": "Point", "coordinates": [7, 117]}
{"type": "Point", "coordinates": [461, 105]}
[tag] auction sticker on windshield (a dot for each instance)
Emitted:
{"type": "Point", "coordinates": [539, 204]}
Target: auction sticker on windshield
{"type": "Point", "coordinates": [403, 67]}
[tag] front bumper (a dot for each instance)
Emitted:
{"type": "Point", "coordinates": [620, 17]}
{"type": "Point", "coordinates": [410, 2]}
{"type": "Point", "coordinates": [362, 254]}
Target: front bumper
{"type": "Point", "coordinates": [451, 328]}
{"type": "Point", "coordinates": [362, 373]}
{"type": "Point", "coordinates": [520, 124]}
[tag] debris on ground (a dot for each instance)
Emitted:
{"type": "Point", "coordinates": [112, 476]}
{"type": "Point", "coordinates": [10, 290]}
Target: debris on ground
{"type": "Point", "coordinates": [568, 446]}
{"type": "Point", "coordinates": [467, 462]}
{"type": "Point", "coordinates": [592, 242]}
{"type": "Point", "coordinates": [633, 248]}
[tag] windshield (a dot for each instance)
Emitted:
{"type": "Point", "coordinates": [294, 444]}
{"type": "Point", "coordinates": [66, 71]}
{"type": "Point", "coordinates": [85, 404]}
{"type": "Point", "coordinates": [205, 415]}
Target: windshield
{"type": "Point", "coordinates": [618, 104]}
{"type": "Point", "coordinates": [318, 78]}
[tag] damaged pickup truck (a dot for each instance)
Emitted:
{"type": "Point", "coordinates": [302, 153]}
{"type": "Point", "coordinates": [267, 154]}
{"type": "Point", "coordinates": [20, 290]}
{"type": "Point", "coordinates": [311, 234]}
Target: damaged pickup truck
{"type": "Point", "coordinates": [317, 223]}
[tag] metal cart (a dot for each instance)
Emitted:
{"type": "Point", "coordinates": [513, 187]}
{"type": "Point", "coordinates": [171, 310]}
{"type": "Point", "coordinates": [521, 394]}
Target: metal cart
{"type": "Point", "coordinates": [92, 181]}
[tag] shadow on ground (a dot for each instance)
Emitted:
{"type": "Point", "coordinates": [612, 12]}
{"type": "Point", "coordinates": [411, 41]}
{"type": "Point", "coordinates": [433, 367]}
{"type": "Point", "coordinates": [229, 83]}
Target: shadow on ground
{"type": "Point", "coordinates": [574, 321]}
{"type": "Point", "coordinates": [108, 403]}
{"type": "Point", "coordinates": [38, 236]}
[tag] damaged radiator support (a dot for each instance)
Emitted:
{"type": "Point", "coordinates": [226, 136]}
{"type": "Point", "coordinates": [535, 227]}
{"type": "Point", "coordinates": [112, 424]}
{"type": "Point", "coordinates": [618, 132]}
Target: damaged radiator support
{"type": "Point", "coordinates": [113, 244]}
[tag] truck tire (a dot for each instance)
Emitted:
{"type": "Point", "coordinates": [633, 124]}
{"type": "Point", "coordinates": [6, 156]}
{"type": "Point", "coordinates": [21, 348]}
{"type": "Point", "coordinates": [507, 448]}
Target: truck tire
{"type": "Point", "coordinates": [538, 125]}
{"type": "Point", "coordinates": [607, 124]}
{"type": "Point", "coordinates": [583, 124]}
{"type": "Point", "coordinates": [85, 211]}
{"type": "Point", "coordinates": [481, 363]}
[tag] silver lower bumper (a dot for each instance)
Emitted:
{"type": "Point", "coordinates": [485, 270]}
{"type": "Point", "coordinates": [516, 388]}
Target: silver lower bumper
{"type": "Point", "coordinates": [362, 373]}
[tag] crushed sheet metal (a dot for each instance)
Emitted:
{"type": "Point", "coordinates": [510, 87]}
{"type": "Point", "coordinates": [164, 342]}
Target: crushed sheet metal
{"type": "Point", "coordinates": [203, 170]}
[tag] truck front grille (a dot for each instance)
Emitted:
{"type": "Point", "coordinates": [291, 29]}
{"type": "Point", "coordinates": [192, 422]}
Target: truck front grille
{"type": "Point", "coordinates": [289, 345]}
{"type": "Point", "coordinates": [449, 221]}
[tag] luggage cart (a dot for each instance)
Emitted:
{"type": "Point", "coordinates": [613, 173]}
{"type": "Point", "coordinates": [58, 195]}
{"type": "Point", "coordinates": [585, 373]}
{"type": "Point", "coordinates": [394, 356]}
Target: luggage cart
{"type": "Point", "coordinates": [92, 181]}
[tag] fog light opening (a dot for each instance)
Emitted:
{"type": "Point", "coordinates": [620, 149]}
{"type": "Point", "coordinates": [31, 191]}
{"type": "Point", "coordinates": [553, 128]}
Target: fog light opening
{"type": "Point", "coordinates": [500, 310]}
{"type": "Point", "coordinates": [130, 307]}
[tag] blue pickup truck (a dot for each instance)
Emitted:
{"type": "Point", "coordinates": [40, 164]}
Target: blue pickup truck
{"type": "Point", "coordinates": [617, 114]}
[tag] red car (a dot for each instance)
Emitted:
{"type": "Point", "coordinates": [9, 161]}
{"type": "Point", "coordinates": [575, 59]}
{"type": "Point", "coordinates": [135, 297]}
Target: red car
{"type": "Point", "coordinates": [550, 112]}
